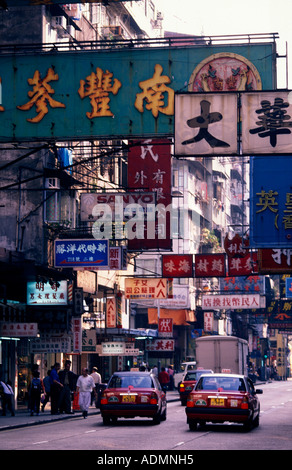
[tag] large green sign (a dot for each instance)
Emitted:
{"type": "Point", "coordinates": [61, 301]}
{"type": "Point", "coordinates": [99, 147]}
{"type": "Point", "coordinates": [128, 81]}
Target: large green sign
{"type": "Point", "coordinates": [118, 93]}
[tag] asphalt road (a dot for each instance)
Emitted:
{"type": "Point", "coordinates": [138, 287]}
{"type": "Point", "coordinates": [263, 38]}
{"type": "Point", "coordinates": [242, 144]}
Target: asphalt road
{"type": "Point", "coordinates": [273, 433]}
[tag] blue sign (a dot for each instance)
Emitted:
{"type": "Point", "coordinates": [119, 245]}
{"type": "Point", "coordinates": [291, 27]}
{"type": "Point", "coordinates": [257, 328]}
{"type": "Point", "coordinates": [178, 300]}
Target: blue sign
{"type": "Point", "coordinates": [242, 285]}
{"type": "Point", "coordinates": [80, 253]}
{"type": "Point", "coordinates": [271, 202]}
{"type": "Point", "coordinates": [289, 287]}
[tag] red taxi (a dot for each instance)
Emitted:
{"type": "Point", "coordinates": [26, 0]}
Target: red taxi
{"type": "Point", "coordinates": [223, 397]}
{"type": "Point", "coordinates": [189, 382]}
{"type": "Point", "coordinates": [131, 394]}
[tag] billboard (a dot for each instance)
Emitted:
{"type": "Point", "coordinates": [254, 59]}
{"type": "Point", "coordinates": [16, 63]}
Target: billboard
{"type": "Point", "coordinates": [80, 253]}
{"type": "Point", "coordinates": [122, 92]}
{"type": "Point", "coordinates": [270, 202]}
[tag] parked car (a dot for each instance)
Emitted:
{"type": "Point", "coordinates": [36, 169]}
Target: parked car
{"type": "Point", "coordinates": [131, 394]}
{"type": "Point", "coordinates": [189, 382]}
{"type": "Point", "coordinates": [223, 397]}
{"type": "Point", "coordinates": [183, 369]}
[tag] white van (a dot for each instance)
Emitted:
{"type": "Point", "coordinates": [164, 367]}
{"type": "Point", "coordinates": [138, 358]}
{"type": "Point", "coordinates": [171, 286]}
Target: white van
{"type": "Point", "coordinates": [184, 368]}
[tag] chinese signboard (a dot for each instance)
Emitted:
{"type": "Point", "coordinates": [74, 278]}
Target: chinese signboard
{"type": "Point", "coordinates": [243, 266]}
{"type": "Point", "coordinates": [45, 293]}
{"type": "Point", "coordinates": [206, 124]}
{"type": "Point", "coordinates": [88, 340]}
{"type": "Point", "coordinates": [275, 260]}
{"type": "Point", "coordinates": [210, 265]}
{"type": "Point", "coordinates": [19, 329]}
{"type": "Point", "coordinates": [111, 312]}
{"type": "Point", "coordinates": [51, 345]}
{"type": "Point", "coordinates": [242, 284]}
{"type": "Point", "coordinates": [123, 92]}
{"type": "Point", "coordinates": [148, 288]}
{"type": "Point", "coordinates": [208, 321]}
{"type": "Point", "coordinates": [218, 302]}
{"type": "Point", "coordinates": [149, 169]}
{"type": "Point", "coordinates": [160, 345]}
{"type": "Point", "coordinates": [177, 265]}
{"type": "Point", "coordinates": [271, 202]}
{"type": "Point", "coordinates": [266, 123]}
{"type": "Point", "coordinates": [77, 334]}
{"type": "Point", "coordinates": [280, 314]}
{"type": "Point", "coordinates": [78, 253]}
{"type": "Point", "coordinates": [113, 349]}
{"type": "Point", "coordinates": [165, 328]}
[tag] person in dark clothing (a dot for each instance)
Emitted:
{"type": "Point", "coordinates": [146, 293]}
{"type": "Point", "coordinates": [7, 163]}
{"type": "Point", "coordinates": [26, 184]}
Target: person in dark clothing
{"type": "Point", "coordinates": [36, 389]}
{"type": "Point", "coordinates": [68, 379]}
{"type": "Point", "coordinates": [56, 387]}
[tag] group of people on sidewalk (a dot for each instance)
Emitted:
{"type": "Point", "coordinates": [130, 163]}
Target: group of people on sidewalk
{"type": "Point", "coordinates": [165, 377]}
{"type": "Point", "coordinates": [63, 383]}
{"type": "Point", "coordinates": [57, 387]}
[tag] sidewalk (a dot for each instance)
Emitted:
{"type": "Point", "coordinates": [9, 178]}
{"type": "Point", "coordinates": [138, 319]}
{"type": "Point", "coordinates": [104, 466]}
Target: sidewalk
{"type": "Point", "coordinates": [22, 418]}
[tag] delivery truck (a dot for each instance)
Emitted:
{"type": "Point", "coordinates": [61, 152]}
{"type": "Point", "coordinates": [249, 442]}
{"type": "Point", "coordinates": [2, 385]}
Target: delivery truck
{"type": "Point", "coordinates": [222, 354]}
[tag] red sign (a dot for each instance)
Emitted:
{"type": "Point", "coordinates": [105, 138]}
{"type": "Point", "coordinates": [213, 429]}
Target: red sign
{"type": "Point", "coordinates": [236, 247]}
{"type": "Point", "coordinates": [275, 260]}
{"type": "Point", "coordinates": [160, 345]}
{"type": "Point", "coordinates": [210, 265]}
{"type": "Point", "coordinates": [243, 266]}
{"type": "Point", "coordinates": [149, 169]}
{"type": "Point", "coordinates": [177, 266]}
{"type": "Point", "coordinates": [111, 312]}
{"type": "Point", "coordinates": [165, 327]}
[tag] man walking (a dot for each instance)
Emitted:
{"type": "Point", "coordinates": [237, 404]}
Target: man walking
{"type": "Point", "coordinates": [68, 380]}
{"type": "Point", "coordinates": [85, 385]}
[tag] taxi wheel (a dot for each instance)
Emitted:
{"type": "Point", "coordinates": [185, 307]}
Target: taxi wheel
{"type": "Point", "coordinates": [183, 402]}
{"type": "Point", "coordinates": [106, 420]}
{"type": "Point", "coordinates": [193, 425]}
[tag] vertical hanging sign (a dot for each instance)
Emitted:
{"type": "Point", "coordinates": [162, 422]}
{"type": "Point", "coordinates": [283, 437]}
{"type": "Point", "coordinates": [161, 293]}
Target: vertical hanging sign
{"type": "Point", "coordinates": [149, 169]}
{"type": "Point", "coordinates": [111, 312]}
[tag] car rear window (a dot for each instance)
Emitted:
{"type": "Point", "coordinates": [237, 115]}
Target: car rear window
{"type": "Point", "coordinates": [121, 381]}
{"type": "Point", "coordinates": [196, 375]}
{"type": "Point", "coordinates": [231, 384]}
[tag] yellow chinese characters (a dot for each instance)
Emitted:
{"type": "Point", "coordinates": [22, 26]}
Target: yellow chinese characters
{"type": "Point", "coordinates": [97, 87]}
{"type": "Point", "coordinates": [40, 95]}
{"type": "Point", "coordinates": [153, 93]}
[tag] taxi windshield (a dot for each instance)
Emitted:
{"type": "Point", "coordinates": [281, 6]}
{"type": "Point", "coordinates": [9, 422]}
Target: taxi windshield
{"type": "Point", "coordinates": [123, 381]}
{"type": "Point", "coordinates": [231, 384]}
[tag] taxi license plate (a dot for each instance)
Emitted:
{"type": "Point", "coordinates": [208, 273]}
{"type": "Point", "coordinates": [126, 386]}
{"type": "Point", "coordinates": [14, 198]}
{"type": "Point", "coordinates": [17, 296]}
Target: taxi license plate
{"type": "Point", "coordinates": [129, 398]}
{"type": "Point", "coordinates": [217, 402]}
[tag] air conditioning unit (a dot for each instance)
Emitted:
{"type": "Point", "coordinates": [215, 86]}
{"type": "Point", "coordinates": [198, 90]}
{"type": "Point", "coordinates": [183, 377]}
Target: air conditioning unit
{"type": "Point", "coordinates": [52, 183]}
{"type": "Point", "coordinates": [59, 22]}
{"type": "Point", "coordinates": [159, 15]}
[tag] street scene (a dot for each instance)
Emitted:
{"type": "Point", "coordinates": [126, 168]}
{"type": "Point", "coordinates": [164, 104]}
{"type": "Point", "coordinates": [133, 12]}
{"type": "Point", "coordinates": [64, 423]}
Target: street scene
{"type": "Point", "coordinates": [273, 433]}
{"type": "Point", "coordinates": [145, 228]}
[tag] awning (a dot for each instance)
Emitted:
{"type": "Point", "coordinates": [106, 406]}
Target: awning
{"type": "Point", "coordinates": [179, 317]}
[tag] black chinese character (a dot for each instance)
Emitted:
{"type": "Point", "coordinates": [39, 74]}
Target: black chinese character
{"type": "Point", "coordinates": [203, 122]}
{"type": "Point", "coordinates": [271, 120]}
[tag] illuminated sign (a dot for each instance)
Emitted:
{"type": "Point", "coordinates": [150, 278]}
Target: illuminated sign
{"type": "Point", "coordinates": [47, 293]}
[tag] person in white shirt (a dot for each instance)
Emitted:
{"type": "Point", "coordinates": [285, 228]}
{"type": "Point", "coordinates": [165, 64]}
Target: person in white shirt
{"type": "Point", "coordinates": [85, 385]}
{"type": "Point", "coordinates": [8, 397]}
{"type": "Point", "coordinates": [97, 380]}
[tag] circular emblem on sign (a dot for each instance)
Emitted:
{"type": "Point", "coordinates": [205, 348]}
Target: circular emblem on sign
{"type": "Point", "coordinates": [225, 72]}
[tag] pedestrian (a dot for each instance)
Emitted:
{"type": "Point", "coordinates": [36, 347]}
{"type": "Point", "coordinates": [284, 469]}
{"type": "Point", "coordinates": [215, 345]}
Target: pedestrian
{"type": "Point", "coordinates": [163, 378]}
{"type": "Point", "coordinates": [155, 370]}
{"type": "Point", "coordinates": [85, 385]}
{"type": "Point", "coordinates": [36, 389]}
{"type": "Point", "coordinates": [171, 381]}
{"type": "Point", "coordinates": [68, 380]}
{"type": "Point", "coordinates": [47, 387]}
{"type": "Point", "coordinates": [97, 380]}
{"type": "Point", "coordinates": [55, 388]}
{"type": "Point", "coordinates": [7, 395]}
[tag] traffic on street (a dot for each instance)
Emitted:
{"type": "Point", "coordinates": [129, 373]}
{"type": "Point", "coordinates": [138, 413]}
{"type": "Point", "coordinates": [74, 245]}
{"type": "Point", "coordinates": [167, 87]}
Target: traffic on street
{"type": "Point", "coordinates": [273, 433]}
